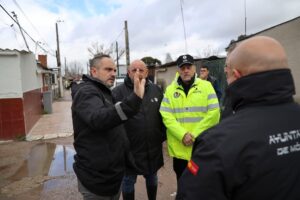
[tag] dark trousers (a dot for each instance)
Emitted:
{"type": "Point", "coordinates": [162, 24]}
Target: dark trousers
{"type": "Point", "coordinates": [178, 166]}
{"type": "Point", "coordinates": [128, 186]}
{"type": "Point", "coordinates": [129, 181]}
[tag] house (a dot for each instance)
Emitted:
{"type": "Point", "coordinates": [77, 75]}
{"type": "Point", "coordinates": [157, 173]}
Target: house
{"type": "Point", "coordinates": [20, 93]}
{"type": "Point", "coordinates": [288, 34]}
{"type": "Point", "coordinates": [48, 76]}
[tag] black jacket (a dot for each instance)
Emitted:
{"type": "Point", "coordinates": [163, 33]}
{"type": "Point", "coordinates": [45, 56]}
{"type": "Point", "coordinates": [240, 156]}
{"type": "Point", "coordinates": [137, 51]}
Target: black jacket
{"type": "Point", "coordinates": [254, 153]}
{"type": "Point", "coordinates": [99, 137]}
{"type": "Point", "coordinates": [216, 86]}
{"type": "Point", "coordinates": [145, 130]}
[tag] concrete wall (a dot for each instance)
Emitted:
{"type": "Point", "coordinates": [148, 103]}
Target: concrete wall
{"type": "Point", "coordinates": [30, 79]}
{"type": "Point", "coordinates": [20, 93]}
{"type": "Point", "coordinates": [165, 76]}
{"type": "Point", "coordinates": [10, 76]}
{"type": "Point", "coordinates": [31, 87]}
{"type": "Point", "coordinates": [288, 34]}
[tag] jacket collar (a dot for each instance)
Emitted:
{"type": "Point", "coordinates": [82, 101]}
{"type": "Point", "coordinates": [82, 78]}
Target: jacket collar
{"type": "Point", "coordinates": [265, 88]}
{"type": "Point", "coordinates": [96, 81]}
{"type": "Point", "coordinates": [178, 80]}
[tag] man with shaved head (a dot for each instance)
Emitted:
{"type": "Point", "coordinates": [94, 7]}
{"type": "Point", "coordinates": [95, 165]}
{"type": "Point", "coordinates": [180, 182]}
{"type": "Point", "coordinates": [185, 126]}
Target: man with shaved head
{"type": "Point", "coordinates": [255, 152]}
{"type": "Point", "coordinates": [145, 132]}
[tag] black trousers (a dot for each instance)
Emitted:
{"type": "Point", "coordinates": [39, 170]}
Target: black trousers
{"type": "Point", "coordinates": [178, 166]}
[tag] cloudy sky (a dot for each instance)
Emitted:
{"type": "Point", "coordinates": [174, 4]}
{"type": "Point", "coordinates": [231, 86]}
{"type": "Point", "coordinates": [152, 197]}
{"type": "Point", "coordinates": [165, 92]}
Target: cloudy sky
{"type": "Point", "coordinates": [155, 26]}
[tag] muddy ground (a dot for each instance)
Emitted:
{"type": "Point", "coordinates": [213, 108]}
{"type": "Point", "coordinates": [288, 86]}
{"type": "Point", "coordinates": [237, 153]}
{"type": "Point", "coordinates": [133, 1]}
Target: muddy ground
{"type": "Point", "coordinates": [43, 170]}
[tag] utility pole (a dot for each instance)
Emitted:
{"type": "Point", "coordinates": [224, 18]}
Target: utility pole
{"type": "Point", "coordinates": [87, 68]}
{"type": "Point", "coordinates": [60, 85]}
{"type": "Point", "coordinates": [15, 16]}
{"type": "Point", "coordinates": [245, 2]}
{"type": "Point", "coordinates": [65, 66]}
{"type": "Point", "coordinates": [127, 45]}
{"type": "Point", "coordinates": [117, 51]}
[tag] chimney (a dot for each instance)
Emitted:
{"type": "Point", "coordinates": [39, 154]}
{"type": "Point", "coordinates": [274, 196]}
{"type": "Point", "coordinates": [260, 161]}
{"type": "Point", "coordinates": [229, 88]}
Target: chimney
{"type": "Point", "coordinates": [43, 60]}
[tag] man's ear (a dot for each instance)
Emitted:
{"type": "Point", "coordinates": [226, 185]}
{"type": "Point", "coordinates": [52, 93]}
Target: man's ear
{"type": "Point", "coordinates": [237, 74]}
{"type": "Point", "coordinates": [93, 70]}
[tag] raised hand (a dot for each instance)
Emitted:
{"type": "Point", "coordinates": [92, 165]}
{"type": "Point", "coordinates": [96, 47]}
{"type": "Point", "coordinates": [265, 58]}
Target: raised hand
{"type": "Point", "coordinates": [139, 84]}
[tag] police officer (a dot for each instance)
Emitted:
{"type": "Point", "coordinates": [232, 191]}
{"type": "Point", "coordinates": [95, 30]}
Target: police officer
{"type": "Point", "coordinates": [190, 106]}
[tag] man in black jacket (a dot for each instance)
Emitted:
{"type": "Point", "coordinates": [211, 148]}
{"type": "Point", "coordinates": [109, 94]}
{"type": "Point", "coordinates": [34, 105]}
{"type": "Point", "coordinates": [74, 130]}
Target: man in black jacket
{"type": "Point", "coordinates": [145, 132]}
{"type": "Point", "coordinates": [205, 75]}
{"type": "Point", "coordinates": [254, 153]}
{"type": "Point", "coordinates": [99, 138]}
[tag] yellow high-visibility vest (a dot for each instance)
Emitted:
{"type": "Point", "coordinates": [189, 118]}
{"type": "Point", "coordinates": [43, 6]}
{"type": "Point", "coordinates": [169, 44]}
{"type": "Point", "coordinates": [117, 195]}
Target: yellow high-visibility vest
{"type": "Point", "coordinates": [194, 113]}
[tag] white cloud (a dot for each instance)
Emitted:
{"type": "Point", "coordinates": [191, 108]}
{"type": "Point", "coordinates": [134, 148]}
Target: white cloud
{"type": "Point", "coordinates": [155, 27]}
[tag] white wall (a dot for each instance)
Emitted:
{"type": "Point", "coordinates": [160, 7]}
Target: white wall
{"type": "Point", "coordinates": [168, 76]}
{"type": "Point", "coordinates": [10, 75]}
{"type": "Point", "coordinates": [288, 35]}
{"type": "Point", "coordinates": [28, 66]}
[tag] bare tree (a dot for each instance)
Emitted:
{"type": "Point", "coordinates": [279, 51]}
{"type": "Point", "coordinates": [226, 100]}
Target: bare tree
{"type": "Point", "coordinates": [168, 58]}
{"type": "Point", "coordinates": [208, 51]}
{"type": "Point", "coordinates": [97, 48]}
{"type": "Point", "coordinates": [74, 70]}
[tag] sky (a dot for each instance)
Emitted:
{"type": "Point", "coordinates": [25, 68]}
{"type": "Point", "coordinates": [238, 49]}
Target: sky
{"type": "Point", "coordinates": [155, 27]}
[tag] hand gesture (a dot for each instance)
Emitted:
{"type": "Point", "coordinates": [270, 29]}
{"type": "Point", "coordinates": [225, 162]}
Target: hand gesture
{"type": "Point", "coordinates": [139, 84]}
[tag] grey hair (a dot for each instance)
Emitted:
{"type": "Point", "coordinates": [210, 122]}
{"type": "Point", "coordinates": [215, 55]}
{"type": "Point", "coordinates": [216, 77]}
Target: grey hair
{"type": "Point", "coordinates": [97, 58]}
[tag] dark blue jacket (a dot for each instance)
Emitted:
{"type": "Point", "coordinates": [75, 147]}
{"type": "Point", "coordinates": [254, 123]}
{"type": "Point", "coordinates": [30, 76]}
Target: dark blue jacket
{"type": "Point", "coordinates": [216, 86]}
{"type": "Point", "coordinates": [254, 153]}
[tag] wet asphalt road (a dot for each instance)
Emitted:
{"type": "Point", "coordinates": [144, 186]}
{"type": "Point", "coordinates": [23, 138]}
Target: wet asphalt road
{"type": "Point", "coordinates": [43, 170]}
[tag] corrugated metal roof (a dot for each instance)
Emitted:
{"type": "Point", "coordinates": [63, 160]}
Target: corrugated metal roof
{"type": "Point", "coordinates": [15, 50]}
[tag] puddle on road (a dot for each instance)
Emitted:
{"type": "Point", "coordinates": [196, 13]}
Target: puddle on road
{"type": "Point", "coordinates": [47, 165]}
{"type": "Point", "coordinates": [47, 159]}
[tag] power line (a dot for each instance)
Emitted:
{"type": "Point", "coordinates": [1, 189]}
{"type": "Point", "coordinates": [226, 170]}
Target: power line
{"type": "Point", "coordinates": [119, 35]}
{"type": "Point", "coordinates": [115, 40]}
{"type": "Point", "coordinates": [26, 31]}
{"type": "Point", "coordinates": [4, 22]}
{"type": "Point", "coordinates": [182, 16]}
{"type": "Point", "coordinates": [20, 8]}
{"type": "Point", "coordinates": [15, 34]}
{"type": "Point", "coordinates": [15, 16]}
